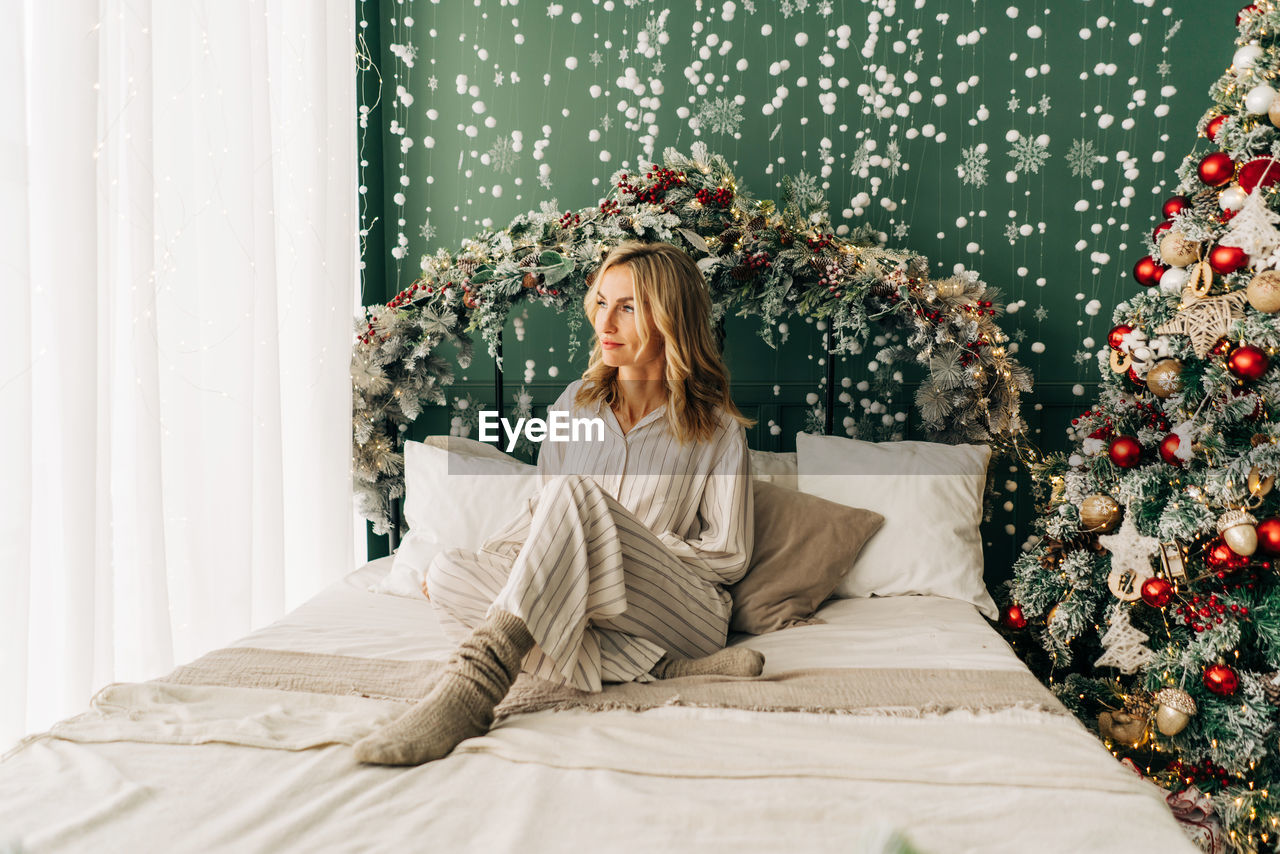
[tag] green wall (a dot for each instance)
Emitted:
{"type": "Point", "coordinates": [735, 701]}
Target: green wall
{"type": "Point", "coordinates": [931, 119]}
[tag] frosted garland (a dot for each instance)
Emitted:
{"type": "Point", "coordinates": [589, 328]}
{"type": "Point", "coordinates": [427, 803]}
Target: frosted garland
{"type": "Point", "coordinates": [760, 259]}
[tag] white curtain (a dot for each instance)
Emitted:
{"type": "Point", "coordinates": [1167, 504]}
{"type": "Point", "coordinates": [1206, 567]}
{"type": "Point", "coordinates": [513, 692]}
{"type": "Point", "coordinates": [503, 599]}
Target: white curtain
{"type": "Point", "coordinates": [177, 269]}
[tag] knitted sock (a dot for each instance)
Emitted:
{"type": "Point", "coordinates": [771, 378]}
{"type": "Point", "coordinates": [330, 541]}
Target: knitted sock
{"type": "Point", "coordinates": [461, 705]}
{"type": "Point", "coordinates": [732, 661]}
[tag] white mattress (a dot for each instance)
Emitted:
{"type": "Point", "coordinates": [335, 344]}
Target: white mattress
{"type": "Point", "coordinates": [672, 779]}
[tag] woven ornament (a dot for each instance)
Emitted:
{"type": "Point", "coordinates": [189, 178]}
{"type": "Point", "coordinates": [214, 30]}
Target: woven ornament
{"type": "Point", "coordinates": [1206, 320]}
{"type": "Point", "coordinates": [1130, 557]}
{"type": "Point", "coordinates": [1124, 645]}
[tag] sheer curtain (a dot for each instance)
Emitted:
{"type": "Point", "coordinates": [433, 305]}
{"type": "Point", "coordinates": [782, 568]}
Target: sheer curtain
{"type": "Point", "coordinates": [177, 270]}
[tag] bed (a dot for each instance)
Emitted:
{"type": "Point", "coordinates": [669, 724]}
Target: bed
{"type": "Point", "coordinates": [207, 767]}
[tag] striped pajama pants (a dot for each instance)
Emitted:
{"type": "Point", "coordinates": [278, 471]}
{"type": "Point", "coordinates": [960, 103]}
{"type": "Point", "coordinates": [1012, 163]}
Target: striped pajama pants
{"type": "Point", "coordinates": [602, 596]}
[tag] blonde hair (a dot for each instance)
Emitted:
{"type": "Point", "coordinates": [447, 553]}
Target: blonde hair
{"type": "Point", "coordinates": [670, 293]}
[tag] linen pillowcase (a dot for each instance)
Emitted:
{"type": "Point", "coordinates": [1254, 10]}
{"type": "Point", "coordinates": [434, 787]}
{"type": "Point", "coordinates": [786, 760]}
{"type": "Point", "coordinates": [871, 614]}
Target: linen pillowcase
{"type": "Point", "coordinates": [458, 492]}
{"type": "Point", "coordinates": [408, 567]}
{"type": "Point", "coordinates": [776, 468]}
{"type": "Point", "coordinates": [804, 545]}
{"type": "Point", "coordinates": [931, 497]}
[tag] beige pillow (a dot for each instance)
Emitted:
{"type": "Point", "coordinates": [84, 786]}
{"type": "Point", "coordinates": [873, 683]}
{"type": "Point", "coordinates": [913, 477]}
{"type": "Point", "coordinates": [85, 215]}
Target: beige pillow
{"type": "Point", "coordinates": [804, 545]}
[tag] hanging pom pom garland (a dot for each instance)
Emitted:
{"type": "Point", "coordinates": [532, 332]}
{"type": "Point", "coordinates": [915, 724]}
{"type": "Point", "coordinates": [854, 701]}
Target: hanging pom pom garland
{"type": "Point", "coordinates": [760, 258]}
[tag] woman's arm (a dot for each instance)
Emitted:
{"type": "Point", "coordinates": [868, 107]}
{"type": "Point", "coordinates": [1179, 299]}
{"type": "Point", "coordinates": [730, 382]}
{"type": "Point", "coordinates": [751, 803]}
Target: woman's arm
{"type": "Point", "coordinates": [722, 550]}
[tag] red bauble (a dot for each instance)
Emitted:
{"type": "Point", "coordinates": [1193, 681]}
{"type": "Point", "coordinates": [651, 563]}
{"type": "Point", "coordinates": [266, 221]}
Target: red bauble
{"type": "Point", "coordinates": [1161, 229]}
{"type": "Point", "coordinates": [1219, 555]}
{"type": "Point", "coordinates": [1148, 271]}
{"type": "Point", "coordinates": [1248, 362]}
{"type": "Point", "coordinates": [1269, 536]}
{"type": "Point", "coordinates": [1012, 618]}
{"type": "Point", "coordinates": [1116, 336]}
{"type": "Point", "coordinates": [1125, 451]}
{"type": "Point", "coordinates": [1174, 205]}
{"type": "Point", "coordinates": [1225, 260]}
{"type": "Point", "coordinates": [1221, 680]}
{"type": "Point", "coordinates": [1215, 125]}
{"type": "Point", "coordinates": [1169, 449]}
{"type": "Point", "coordinates": [1138, 382]}
{"type": "Point", "coordinates": [1259, 172]}
{"type": "Point", "coordinates": [1217, 169]}
{"type": "Point", "coordinates": [1157, 592]}
{"type": "Point", "coordinates": [1247, 10]}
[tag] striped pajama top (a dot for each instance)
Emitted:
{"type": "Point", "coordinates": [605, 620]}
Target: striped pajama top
{"type": "Point", "coordinates": [696, 497]}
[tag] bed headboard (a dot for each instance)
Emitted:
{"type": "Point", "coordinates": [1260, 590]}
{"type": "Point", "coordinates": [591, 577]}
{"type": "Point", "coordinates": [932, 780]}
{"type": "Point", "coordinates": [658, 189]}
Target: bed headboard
{"type": "Point", "coordinates": [397, 507]}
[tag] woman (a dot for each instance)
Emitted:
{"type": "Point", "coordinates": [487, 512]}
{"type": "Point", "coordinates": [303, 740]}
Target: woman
{"type": "Point", "coordinates": [618, 570]}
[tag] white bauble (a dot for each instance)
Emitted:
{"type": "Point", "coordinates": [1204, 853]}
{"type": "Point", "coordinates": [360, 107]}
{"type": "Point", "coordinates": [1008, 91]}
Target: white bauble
{"type": "Point", "coordinates": [1174, 279]}
{"type": "Point", "coordinates": [1246, 57]}
{"type": "Point", "coordinates": [1232, 198]}
{"type": "Point", "coordinates": [1259, 99]}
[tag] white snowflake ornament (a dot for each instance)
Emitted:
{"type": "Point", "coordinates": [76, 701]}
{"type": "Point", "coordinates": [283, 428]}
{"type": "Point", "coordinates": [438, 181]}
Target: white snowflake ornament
{"type": "Point", "coordinates": [1130, 553]}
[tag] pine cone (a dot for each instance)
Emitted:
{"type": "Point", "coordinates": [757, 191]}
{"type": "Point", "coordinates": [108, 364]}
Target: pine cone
{"type": "Point", "coordinates": [1271, 688]}
{"type": "Point", "coordinates": [624, 223]}
{"type": "Point", "coordinates": [530, 260]}
{"type": "Point", "coordinates": [467, 266]}
{"type": "Point", "coordinates": [729, 238]}
{"type": "Point", "coordinates": [757, 223]}
{"type": "Point", "coordinates": [742, 272]}
{"type": "Point", "coordinates": [784, 237]}
{"type": "Point", "coordinates": [882, 289]}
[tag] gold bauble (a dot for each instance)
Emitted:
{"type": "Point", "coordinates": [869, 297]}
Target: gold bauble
{"type": "Point", "coordinates": [1170, 721]}
{"type": "Point", "coordinates": [1237, 528]}
{"type": "Point", "coordinates": [1177, 251]}
{"type": "Point", "coordinates": [951, 287]}
{"type": "Point", "coordinates": [1175, 711]}
{"type": "Point", "coordinates": [1165, 378]}
{"type": "Point", "coordinates": [1259, 485]}
{"type": "Point", "coordinates": [1274, 112]}
{"type": "Point", "coordinates": [1123, 728]}
{"type": "Point", "coordinates": [531, 280]}
{"type": "Point", "coordinates": [1264, 291]}
{"type": "Point", "coordinates": [1099, 513]}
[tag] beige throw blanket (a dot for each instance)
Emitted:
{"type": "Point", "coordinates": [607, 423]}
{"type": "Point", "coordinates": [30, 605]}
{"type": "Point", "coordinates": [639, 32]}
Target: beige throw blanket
{"type": "Point", "coordinates": [889, 691]}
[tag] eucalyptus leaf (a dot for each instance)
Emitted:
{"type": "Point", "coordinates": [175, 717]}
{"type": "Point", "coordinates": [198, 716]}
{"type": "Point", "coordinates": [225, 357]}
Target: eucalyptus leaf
{"type": "Point", "coordinates": [695, 240]}
{"type": "Point", "coordinates": [558, 272]}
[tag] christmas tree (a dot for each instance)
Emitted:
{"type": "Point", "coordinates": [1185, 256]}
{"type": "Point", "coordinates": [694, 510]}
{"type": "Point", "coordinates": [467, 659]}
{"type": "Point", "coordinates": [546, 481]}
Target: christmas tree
{"type": "Point", "coordinates": [1150, 587]}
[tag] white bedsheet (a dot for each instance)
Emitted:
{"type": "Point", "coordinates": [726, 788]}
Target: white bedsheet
{"type": "Point", "coordinates": [672, 779]}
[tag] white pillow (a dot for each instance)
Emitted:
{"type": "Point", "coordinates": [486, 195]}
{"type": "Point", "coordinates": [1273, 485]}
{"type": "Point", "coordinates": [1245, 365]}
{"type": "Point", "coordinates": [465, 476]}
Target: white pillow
{"type": "Point", "coordinates": [458, 493]}
{"type": "Point", "coordinates": [776, 468]}
{"type": "Point", "coordinates": [409, 567]}
{"type": "Point", "coordinates": [931, 498]}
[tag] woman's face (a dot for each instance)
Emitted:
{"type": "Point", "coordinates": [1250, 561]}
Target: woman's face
{"type": "Point", "coordinates": [616, 323]}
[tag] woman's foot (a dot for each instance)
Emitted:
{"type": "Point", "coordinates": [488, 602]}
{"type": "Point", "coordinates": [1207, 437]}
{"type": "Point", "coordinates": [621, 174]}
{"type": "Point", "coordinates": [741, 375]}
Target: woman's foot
{"type": "Point", "coordinates": [732, 661]}
{"type": "Point", "coordinates": [461, 705]}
